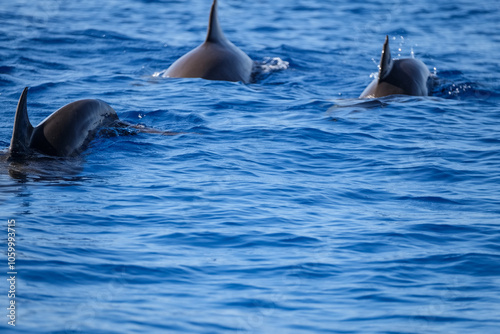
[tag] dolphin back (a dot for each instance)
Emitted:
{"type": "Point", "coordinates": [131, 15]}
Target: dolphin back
{"type": "Point", "coordinates": [406, 76]}
{"type": "Point", "coordinates": [69, 130]}
{"type": "Point", "coordinates": [216, 59]}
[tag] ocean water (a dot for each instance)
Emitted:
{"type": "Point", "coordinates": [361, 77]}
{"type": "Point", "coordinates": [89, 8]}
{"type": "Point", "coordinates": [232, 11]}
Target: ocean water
{"type": "Point", "coordinates": [287, 205]}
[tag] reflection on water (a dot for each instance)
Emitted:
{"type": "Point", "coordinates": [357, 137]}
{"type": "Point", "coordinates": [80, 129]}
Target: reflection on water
{"type": "Point", "coordinates": [39, 168]}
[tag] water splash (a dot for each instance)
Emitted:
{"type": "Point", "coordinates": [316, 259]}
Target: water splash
{"type": "Point", "coordinates": [272, 64]}
{"type": "Point", "coordinates": [161, 74]}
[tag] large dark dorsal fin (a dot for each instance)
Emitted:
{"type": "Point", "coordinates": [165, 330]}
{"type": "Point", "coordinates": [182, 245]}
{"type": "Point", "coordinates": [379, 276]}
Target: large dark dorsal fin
{"type": "Point", "coordinates": [385, 66]}
{"type": "Point", "coordinates": [21, 135]}
{"type": "Point", "coordinates": [214, 33]}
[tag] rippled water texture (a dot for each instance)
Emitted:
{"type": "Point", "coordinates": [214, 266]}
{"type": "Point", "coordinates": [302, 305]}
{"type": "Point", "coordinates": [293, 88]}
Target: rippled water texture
{"type": "Point", "coordinates": [285, 206]}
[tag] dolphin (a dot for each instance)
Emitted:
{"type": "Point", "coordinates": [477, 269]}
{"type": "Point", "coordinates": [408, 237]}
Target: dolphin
{"type": "Point", "coordinates": [398, 76]}
{"type": "Point", "coordinates": [216, 59]}
{"type": "Point", "coordinates": [66, 132]}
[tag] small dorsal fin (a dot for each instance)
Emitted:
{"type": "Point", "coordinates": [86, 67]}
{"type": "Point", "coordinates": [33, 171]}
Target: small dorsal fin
{"type": "Point", "coordinates": [385, 66]}
{"type": "Point", "coordinates": [214, 33]}
{"type": "Point", "coordinates": [21, 135]}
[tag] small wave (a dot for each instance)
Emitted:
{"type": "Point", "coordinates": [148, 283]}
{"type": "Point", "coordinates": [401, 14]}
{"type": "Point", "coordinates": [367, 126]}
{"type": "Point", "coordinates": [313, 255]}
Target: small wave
{"type": "Point", "coordinates": [430, 199]}
{"type": "Point", "coordinates": [102, 34]}
{"type": "Point", "coordinates": [7, 69]}
{"type": "Point", "coordinates": [453, 85]}
{"type": "Point", "coordinates": [455, 90]}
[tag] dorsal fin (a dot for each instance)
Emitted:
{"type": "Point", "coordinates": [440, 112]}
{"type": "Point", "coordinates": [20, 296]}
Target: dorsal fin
{"type": "Point", "coordinates": [21, 135]}
{"type": "Point", "coordinates": [385, 66]}
{"type": "Point", "coordinates": [214, 33]}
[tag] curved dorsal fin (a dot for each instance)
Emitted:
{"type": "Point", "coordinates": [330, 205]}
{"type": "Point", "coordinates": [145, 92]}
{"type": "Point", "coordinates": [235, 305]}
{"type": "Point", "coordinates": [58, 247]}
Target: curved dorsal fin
{"type": "Point", "coordinates": [214, 33]}
{"type": "Point", "coordinates": [21, 135]}
{"type": "Point", "coordinates": [385, 66]}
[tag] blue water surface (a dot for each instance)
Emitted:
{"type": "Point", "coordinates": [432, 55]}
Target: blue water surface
{"type": "Point", "coordinates": [286, 205]}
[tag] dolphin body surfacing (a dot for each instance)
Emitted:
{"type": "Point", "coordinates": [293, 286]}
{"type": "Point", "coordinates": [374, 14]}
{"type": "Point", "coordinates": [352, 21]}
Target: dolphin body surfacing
{"type": "Point", "coordinates": [216, 59]}
{"type": "Point", "coordinates": [398, 76]}
{"type": "Point", "coordinates": [66, 132]}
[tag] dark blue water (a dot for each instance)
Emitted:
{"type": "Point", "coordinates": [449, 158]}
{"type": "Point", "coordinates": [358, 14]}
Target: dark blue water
{"type": "Point", "coordinates": [288, 205]}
